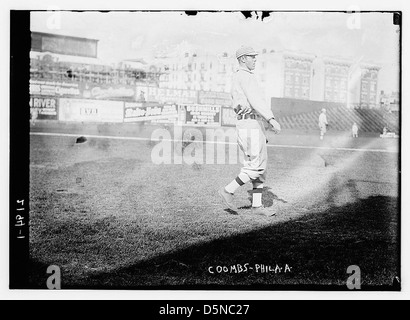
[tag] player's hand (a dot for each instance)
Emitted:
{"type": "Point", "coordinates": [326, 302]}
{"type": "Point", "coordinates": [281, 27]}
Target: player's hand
{"type": "Point", "coordinates": [244, 109]}
{"type": "Point", "coordinates": [275, 125]}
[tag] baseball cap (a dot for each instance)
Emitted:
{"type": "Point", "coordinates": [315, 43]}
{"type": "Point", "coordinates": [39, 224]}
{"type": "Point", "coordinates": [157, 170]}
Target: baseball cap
{"type": "Point", "coordinates": [245, 51]}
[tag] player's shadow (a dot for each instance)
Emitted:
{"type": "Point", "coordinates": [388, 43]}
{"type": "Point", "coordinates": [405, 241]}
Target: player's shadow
{"type": "Point", "coordinates": [268, 198]}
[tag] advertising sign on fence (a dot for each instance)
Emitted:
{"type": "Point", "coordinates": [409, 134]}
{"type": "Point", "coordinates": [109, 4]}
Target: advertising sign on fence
{"type": "Point", "coordinates": [87, 90]}
{"type": "Point", "coordinates": [108, 91]}
{"type": "Point", "coordinates": [202, 115]}
{"type": "Point", "coordinates": [53, 88]}
{"type": "Point", "coordinates": [45, 108]}
{"type": "Point", "coordinates": [91, 110]}
{"type": "Point", "coordinates": [139, 111]}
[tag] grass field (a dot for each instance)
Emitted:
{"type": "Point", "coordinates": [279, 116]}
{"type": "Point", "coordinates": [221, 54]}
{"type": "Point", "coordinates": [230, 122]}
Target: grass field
{"type": "Point", "coordinates": [110, 218]}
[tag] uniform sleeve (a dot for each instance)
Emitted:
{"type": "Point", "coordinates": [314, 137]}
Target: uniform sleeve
{"type": "Point", "coordinates": [255, 98]}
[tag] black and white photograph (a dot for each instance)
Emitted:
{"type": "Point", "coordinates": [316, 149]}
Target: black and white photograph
{"type": "Point", "coordinates": [241, 150]}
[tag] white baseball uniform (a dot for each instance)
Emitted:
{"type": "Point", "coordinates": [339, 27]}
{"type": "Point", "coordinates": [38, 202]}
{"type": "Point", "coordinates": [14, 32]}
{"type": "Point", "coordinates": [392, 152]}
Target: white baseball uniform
{"type": "Point", "coordinates": [322, 123]}
{"type": "Point", "coordinates": [251, 132]}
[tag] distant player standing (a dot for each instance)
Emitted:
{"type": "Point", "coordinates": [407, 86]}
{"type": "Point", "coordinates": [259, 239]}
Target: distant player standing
{"type": "Point", "coordinates": [322, 123]}
{"type": "Point", "coordinates": [355, 130]}
{"type": "Point", "coordinates": [251, 109]}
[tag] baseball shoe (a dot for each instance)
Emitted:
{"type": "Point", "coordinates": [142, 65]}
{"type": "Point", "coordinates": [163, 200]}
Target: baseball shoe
{"type": "Point", "coordinates": [227, 198]}
{"type": "Point", "coordinates": [263, 211]}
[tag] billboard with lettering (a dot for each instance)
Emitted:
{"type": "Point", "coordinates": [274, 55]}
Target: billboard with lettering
{"type": "Point", "coordinates": [54, 88]}
{"type": "Point", "coordinates": [88, 110]}
{"type": "Point", "coordinates": [108, 92]}
{"type": "Point", "coordinates": [202, 115]}
{"type": "Point", "coordinates": [87, 90]}
{"type": "Point", "coordinates": [153, 112]}
{"type": "Point", "coordinates": [46, 108]}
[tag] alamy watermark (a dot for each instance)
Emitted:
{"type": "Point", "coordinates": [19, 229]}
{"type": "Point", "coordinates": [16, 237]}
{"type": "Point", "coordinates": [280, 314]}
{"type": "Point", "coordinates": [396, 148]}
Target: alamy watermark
{"type": "Point", "coordinates": [194, 146]}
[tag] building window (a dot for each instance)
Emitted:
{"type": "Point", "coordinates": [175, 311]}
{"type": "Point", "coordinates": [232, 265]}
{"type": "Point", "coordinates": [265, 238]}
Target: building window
{"type": "Point", "coordinates": [288, 91]}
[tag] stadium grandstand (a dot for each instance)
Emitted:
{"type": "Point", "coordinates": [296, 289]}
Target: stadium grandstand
{"type": "Point", "coordinates": [62, 58]}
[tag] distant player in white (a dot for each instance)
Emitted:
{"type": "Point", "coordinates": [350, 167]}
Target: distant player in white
{"type": "Point", "coordinates": [355, 130]}
{"type": "Point", "coordinates": [322, 123]}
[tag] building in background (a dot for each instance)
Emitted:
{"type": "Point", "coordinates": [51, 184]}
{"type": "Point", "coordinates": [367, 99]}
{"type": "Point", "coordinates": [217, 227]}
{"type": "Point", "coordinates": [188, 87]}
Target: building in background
{"type": "Point", "coordinates": [193, 71]}
{"type": "Point", "coordinates": [297, 75]}
{"type": "Point", "coordinates": [363, 86]}
{"type": "Point", "coordinates": [368, 86]}
{"type": "Point", "coordinates": [281, 74]}
{"type": "Point", "coordinates": [336, 78]}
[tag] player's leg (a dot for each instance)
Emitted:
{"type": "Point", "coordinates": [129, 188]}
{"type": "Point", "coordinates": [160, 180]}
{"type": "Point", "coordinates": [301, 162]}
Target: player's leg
{"type": "Point", "coordinates": [257, 188]}
{"type": "Point", "coordinates": [245, 144]}
{"type": "Point", "coordinates": [322, 132]}
{"type": "Point", "coordinates": [228, 191]}
{"type": "Point", "coordinates": [254, 147]}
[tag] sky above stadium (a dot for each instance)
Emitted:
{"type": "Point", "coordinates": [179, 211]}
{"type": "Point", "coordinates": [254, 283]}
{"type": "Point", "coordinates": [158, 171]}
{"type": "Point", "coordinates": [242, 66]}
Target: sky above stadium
{"type": "Point", "coordinates": [366, 37]}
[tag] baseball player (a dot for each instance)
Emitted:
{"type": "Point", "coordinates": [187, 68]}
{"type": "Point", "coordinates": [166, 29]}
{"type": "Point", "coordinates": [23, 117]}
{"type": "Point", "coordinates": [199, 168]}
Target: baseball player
{"type": "Point", "coordinates": [355, 130]}
{"type": "Point", "coordinates": [251, 110]}
{"type": "Point", "coordinates": [322, 123]}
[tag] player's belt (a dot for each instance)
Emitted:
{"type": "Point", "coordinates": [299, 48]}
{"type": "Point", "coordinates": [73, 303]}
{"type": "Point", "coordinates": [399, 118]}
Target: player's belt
{"type": "Point", "coordinates": [246, 116]}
